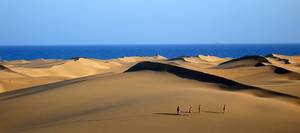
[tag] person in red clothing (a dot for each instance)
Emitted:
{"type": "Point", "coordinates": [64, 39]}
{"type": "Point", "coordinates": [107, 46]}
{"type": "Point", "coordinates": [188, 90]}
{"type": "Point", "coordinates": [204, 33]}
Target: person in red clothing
{"type": "Point", "coordinates": [190, 109]}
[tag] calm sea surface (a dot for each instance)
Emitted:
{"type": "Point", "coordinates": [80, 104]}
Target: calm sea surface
{"type": "Point", "coordinates": [115, 51]}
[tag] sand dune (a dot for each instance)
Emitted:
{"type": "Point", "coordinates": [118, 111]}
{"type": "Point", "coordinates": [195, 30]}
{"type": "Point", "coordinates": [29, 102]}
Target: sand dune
{"type": "Point", "coordinates": [258, 71]}
{"type": "Point", "coordinates": [199, 61]}
{"type": "Point", "coordinates": [26, 73]}
{"type": "Point", "coordinates": [244, 62]}
{"type": "Point", "coordinates": [210, 58]}
{"type": "Point", "coordinates": [138, 59]}
{"type": "Point", "coordinates": [140, 94]}
{"type": "Point", "coordinates": [285, 59]}
{"type": "Point", "coordinates": [205, 77]}
{"type": "Point", "coordinates": [100, 104]}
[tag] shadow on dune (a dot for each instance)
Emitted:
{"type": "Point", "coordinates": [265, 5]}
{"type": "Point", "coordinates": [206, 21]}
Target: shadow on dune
{"type": "Point", "coordinates": [256, 61]}
{"type": "Point", "coordinates": [273, 56]}
{"type": "Point", "coordinates": [181, 58]}
{"type": "Point", "coordinates": [253, 60]}
{"type": "Point", "coordinates": [224, 83]}
{"type": "Point", "coordinates": [185, 73]}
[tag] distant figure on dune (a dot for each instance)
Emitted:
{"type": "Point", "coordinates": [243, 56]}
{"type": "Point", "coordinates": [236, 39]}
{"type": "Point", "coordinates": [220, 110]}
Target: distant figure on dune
{"type": "Point", "coordinates": [199, 108]}
{"type": "Point", "coordinates": [224, 108]}
{"type": "Point", "coordinates": [178, 110]}
{"type": "Point", "coordinates": [190, 109]}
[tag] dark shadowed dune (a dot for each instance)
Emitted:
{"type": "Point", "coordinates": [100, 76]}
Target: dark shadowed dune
{"type": "Point", "coordinates": [2, 67]}
{"type": "Point", "coordinates": [257, 61]}
{"type": "Point", "coordinates": [224, 83]}
{"type": "Point", "coordinates": [6, 69]}
{"type": "Point", "coordinates": [282, 71]}
{"type": "Point", "coordinates": [78, 58]}
{"type": "Point", "coordinates": [279, 70]}
{"type": "Point", "coordinates": [181, 58]}
{"type": "Point", "coordinates": [273, 56]}
{"type": "Point", "coordinates": [245, 61]}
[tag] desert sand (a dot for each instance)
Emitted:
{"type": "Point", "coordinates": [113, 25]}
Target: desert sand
{"type": "Point", "coordinates": [141, 94]}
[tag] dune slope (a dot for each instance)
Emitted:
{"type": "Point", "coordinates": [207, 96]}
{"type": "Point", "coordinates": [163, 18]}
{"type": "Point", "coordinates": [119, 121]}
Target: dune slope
{"type": "Point", "coordinates": [142, 101]}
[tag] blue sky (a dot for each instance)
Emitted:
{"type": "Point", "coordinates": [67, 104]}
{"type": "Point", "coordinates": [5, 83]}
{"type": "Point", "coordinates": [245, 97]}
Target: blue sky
{"type": "Point", "coordinates": [47, 22]}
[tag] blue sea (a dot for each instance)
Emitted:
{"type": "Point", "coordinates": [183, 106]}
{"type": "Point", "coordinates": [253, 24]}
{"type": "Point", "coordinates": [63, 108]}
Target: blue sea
{"type": "Point", "coordinates": [170, 51]}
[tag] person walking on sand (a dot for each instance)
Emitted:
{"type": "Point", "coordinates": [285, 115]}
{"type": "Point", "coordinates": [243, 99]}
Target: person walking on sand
{"type": "Point", "coordinates": [190, 109]}
{"type": "Point", "coordinates": [178, 110]}
{"type": "Point", "coordinates": [199, 108]}
{"type": "Point", "coordinates": [224, 108]}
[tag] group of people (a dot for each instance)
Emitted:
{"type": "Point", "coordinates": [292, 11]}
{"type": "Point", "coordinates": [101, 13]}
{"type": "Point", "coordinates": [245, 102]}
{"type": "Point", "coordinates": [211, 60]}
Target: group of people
{"type": "Point", "coordinates": [190, 110]}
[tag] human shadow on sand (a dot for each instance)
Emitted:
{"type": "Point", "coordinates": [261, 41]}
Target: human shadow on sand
{"type": "Point", "coordinates": [188, 114]}
{"type": "Point", "coordinates": [172, 114]}
{"type": "Point", "coordinates": [214, 112]}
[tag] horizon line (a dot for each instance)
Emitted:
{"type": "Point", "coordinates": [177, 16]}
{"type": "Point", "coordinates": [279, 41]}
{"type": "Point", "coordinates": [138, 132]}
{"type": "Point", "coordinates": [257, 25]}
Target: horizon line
{"type": "Point", "coordinates": [141, 44]}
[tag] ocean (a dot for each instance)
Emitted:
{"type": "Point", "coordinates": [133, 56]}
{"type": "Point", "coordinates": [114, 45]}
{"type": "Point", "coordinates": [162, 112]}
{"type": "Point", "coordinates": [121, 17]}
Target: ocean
{"type": "Point", "coordinates": [115, 51]}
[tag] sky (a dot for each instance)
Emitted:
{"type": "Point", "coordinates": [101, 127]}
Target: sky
{"type": "Point", "coordinates": [70, 22]}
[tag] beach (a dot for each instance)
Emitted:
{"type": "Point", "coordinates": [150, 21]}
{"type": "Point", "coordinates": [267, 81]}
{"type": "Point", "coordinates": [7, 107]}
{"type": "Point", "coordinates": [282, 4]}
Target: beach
{"type": "Point", "coordinates": [141, 94]}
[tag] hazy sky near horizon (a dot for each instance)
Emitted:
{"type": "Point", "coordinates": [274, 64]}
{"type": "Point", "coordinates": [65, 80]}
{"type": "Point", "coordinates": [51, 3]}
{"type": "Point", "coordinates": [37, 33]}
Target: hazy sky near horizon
{"type": "Point", "coordinates": [46, 22]}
